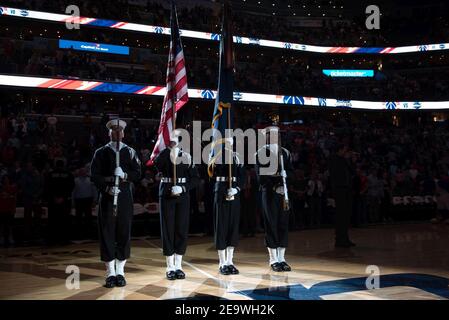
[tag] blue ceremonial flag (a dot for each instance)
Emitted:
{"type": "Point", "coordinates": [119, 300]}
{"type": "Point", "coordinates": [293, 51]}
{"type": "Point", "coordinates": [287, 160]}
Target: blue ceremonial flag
{"type": "Point", "coordinates": [222, 118]}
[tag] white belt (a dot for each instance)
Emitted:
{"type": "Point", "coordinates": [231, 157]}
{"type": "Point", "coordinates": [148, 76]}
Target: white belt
{"type": "Point", "coordinates": [224, 179]}
{"type": "Point", "coordinates": [170, 180]}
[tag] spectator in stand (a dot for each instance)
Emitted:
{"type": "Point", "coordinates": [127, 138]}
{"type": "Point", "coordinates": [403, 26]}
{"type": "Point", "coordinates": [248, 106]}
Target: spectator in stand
{"type": "Point", "coordinates": [442, 191]}
{"type": "Point", "coordinates": [31, 186]}
{"type": "Point", "coordinates": [52, 121]}
{"type": "Point", "coordinates": [315, 190]}
{"type": "Point", "coordinates": [84, 193]}
{"type": "Point", "coordinates": [59, 188]}
{"type": "Point", "coordinates": [298, 189]}
{"type": "Point", "coordinates": [374, 194]}
{"type": "Point", "coordinates": [42, 127]}
{"type": "Point", "coordinates": [136, 133]}
{"type": "Point", "coordinates": [360, 188]}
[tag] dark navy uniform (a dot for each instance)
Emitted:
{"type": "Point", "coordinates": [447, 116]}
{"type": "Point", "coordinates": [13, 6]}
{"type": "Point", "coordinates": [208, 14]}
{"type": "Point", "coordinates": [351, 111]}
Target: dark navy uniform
{"type": "Point", "coordinates": [115, 232]}
{"type": "Point", "coordinates": [275, 216]}
{"type": "Point", "coordinates": [227, 213]}
{"type": "Point", "coordinates": [175, 210]}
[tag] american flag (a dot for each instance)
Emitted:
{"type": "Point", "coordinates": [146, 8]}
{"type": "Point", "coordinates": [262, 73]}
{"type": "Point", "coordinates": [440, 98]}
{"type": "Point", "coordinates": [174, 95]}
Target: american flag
{"type": "Point", "coordinates": [177, 91]}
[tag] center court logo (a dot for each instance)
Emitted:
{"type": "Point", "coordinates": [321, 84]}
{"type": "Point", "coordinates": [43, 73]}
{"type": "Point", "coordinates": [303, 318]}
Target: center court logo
{"type": "Point", "coordinates": [436, 285]}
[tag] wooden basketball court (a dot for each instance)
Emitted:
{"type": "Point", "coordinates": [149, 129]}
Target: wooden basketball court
{"type": "Point", "coordinates": [413, 260]}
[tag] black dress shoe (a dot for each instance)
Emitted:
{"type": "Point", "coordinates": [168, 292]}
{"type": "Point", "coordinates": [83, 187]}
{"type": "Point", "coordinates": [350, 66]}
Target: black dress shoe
{"type": "Point", "coordinates": [233, 270]}
{"type": "Point", "coordinates": [110, 282]}
{"type": "Point", "coordinates": [276, 267]}
{"type": "Point", "coordinates": [180, 274]}
{"type": "Point", "coordinates": [224, 270]}
{"type": "Point", "coordinates": [171, 275]}
{"type": "Point", "coordinates": [120, 281]}
{"type": "Point", "coordinates": [285, 266]}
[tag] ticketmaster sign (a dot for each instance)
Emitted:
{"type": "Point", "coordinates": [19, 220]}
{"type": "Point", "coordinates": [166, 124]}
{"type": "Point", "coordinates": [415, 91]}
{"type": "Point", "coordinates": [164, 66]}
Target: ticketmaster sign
{"type": "Point", "coordinates": [349, 73]}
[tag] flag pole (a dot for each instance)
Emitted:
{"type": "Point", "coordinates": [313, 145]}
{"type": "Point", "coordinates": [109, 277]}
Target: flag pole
{"type": "Point", "coordinates": [173, 98]}
{"type": "Point", "coordinates": [117, 164]}
{"type": "Point", "coordinates": [173, 130]}
{"type": "Point", "coordinates": [229, 64]}
{"type": "Point", "coordinates": [230, 149]}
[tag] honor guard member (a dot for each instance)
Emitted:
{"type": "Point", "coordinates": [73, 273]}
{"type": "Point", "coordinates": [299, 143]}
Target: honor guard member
{"type": "Point", "coordinates": [274, 207]}
{"type": "Point", "coordinates": [115, 222]}
{"type": "Point", "coordinates": [226, 209]}
{"type": "Point", "coordinates": [174, 204]}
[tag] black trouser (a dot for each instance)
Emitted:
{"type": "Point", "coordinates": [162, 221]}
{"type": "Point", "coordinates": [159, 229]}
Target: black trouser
{"type": "Point", "coordinates": [174, 213]}
{"type": "Point", "coordinates": [226, 221]}
{"type": "Point", "coordinates": [83, 208]}
{"type": "Point", "coordinates": [248, 216]}
{"type": "Point", "coordinates": [115, 232]}
{"type": "Point", "coordinates": [275, 220]}
{"type": "Point", "coordinates": [343, 203]}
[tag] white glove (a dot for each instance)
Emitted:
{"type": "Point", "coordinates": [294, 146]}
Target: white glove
{"type": "Point", "coordinates": [119, 172]}
{"type": "Point", "coordinates": [230, 141]}
{"type": "Point", "coordinates": [114, 191]}
{"type": "Point", "coordinates": [175, 190]}
{"type": "Point", "coordinates": [283, 174]}
{"type": "Point", "coordinates": [232, 192]}
{"type": "Point", "coordinates": [174, 153]}
{"type": "Point", "coordinates": [280, 190]}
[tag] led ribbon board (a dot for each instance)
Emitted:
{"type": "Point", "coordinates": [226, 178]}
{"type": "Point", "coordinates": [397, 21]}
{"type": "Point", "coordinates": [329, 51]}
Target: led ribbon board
{"type": "Point", "coordinates": [93, 47]}
{"type": "Point", "coordinates": [139, 89]}
{"type": "Point", "coordinates": [348, 73]}
{"type": "Point", "coordinates": [29, 14]}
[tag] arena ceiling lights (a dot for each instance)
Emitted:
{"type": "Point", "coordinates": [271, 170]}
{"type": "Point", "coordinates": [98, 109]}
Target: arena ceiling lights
{"type": "Point", "coordinates": [136, 89]}
{"type": "Point", "coordinates": [29, 14]}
